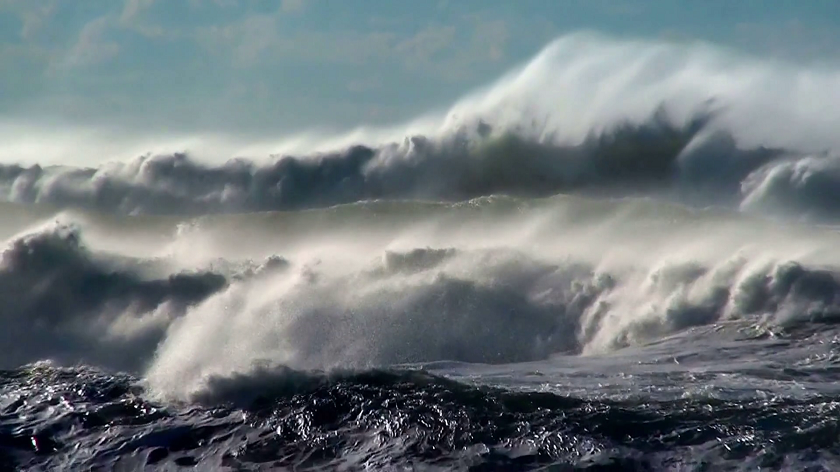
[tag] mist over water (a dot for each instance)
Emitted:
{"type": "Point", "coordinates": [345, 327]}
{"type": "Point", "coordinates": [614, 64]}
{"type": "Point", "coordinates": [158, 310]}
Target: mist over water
{"type": "Point", "coordinates": [616, 233]}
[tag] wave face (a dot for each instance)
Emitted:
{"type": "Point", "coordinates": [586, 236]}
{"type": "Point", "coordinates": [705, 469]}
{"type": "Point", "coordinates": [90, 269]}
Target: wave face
{"type": "Point", "coordinates": [621, 256]}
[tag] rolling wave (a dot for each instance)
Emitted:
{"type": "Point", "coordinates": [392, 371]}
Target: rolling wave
{"type": "Point", "coordinates": [345, 303]}
{"type": "Point", "coordinates": [685, 165]}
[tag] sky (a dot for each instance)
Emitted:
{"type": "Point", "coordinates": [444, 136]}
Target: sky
{"type": "Point", "coordinates": [266, 67]}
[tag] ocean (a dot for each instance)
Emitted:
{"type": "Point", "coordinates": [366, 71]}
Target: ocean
{"type": "Point", "coordinates": [622, 255]}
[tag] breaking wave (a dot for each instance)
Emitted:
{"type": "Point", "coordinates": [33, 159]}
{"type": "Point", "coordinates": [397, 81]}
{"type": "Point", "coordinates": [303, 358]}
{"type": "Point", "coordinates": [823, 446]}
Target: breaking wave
{"type": "Point", "coordinates": [67, 304]}
{"type": "Point", "coordinates": [684, 164]}
{"type": "Point", "coordinates": [348, 304]}
{"type": "Point", "coordinates": [588, 114]}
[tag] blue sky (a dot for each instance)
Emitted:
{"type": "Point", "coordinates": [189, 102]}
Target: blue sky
{"type": "Point", "coordinates": [278, 66]}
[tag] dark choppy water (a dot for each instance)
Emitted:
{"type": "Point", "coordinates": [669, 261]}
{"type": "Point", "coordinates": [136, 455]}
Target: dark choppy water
{"type": "Point", "coordinates": [746, 401]}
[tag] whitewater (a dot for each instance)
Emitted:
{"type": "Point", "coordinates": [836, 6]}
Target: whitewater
{"type": "Point", "coordinates": [622, 255]}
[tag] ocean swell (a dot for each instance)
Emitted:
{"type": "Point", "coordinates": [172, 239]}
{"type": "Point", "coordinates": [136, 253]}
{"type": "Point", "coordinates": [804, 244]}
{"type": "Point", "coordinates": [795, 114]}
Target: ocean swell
{"type": "Point", "coordinates": [576, 269]}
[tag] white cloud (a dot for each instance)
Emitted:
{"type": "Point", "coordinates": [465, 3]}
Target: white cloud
{"type": "Point", "coordinates": [364, 84]}
{"type": "Point", "coordinates": [218, 3]}
{"type": "Point", "coordinates": [34, 15]}
{"type": "Point", "coordinates": [450, 52]}
{"type": "Point", "coordinates": [492, 37]}
{"type": "Point", "coordinates": [438, 51]}
{"type": "Point", "coordinates": [36, 20]}
{"type": "Point", "coordinates": [445, 52]}
{"type": "Point", "coordinates": [256, 36]}
{"type": "Point", "coordinates": [257, 40]}
{"type": "Point", "coordinates": [427, 43]}
{"type": "Point", "coordinates": [291, 6]}
{"type": "Point", "coordinates": [132, 8]}
{"type": "Point", "coordinates": [92, 46]}
{"type": "Point", "coordinates": [245, 41]}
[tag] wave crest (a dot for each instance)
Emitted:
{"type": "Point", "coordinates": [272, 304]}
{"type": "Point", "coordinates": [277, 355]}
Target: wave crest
{"type": "Point", "coordinates": [688, 165]}
{"type": "Point", "coordinates": [491, 306]}
{"type": "Point", "coordinates": [65, 303]}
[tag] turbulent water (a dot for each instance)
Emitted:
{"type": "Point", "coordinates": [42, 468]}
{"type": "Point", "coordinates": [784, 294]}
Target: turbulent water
{"type": "Point", "coordinates": [621, 256]}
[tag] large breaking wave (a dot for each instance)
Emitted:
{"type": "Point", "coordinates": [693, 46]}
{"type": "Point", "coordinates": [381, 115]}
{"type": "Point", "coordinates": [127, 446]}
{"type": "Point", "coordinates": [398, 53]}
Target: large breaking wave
{"type": "Point", "coordinates": [562, 276]}
{"type": "Point", "coordinates": [588, 114]}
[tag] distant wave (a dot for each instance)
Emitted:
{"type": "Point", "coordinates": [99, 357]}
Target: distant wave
{"type": "Point", "coordinates": [656, 159]}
